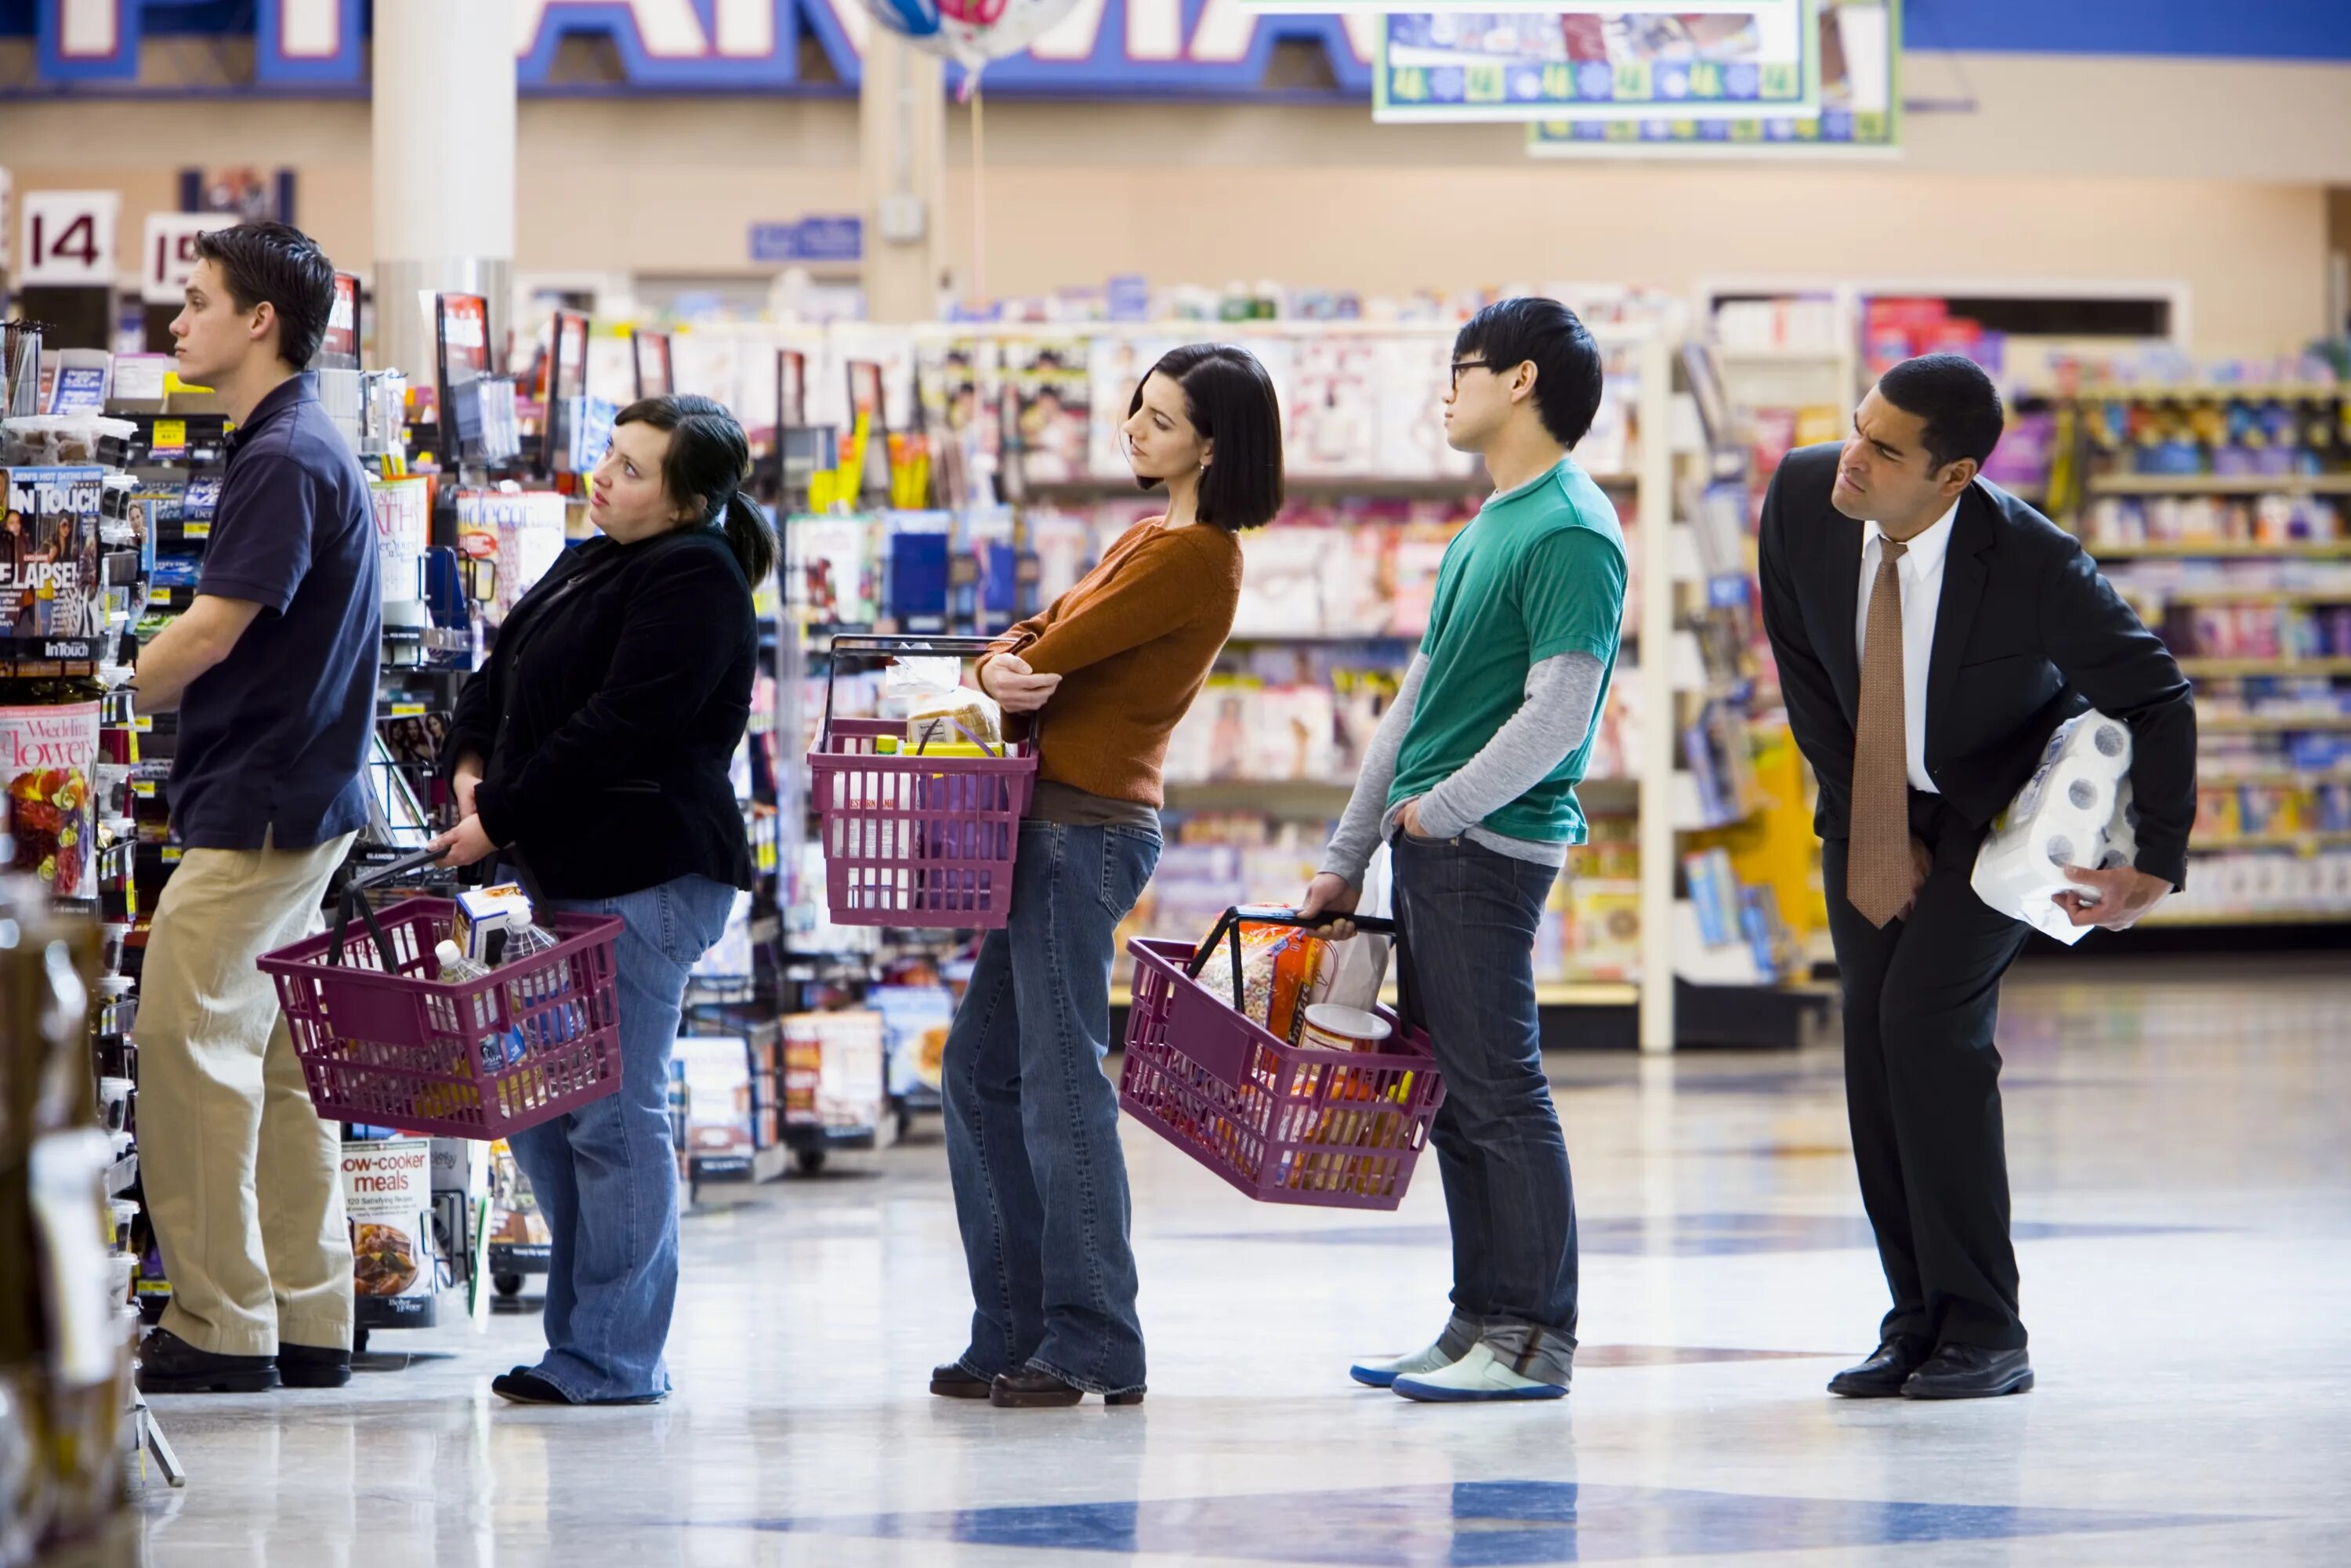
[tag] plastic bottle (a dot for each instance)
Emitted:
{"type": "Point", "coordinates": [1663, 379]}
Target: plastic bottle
{"type": "Point", "coordinates": [454, 965]}
{"type": "Point", "coordinates": [553, 1024]}
{"type": "Point", "coordinates": [496, 1050]}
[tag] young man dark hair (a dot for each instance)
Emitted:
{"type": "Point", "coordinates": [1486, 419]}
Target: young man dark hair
{"type": "Point", "coordinates": [1550, 337]}
{"type": "Point", "coordinates": [272, 668]}
{"type": "Point", "coordinates": [1960, 407]}
{"type": "Point", "coordinates": [1931, 633]}
{"type": "Point", "coordinates": [1472, 780]}
{"type": "Point", "coordinates": [283, 268]}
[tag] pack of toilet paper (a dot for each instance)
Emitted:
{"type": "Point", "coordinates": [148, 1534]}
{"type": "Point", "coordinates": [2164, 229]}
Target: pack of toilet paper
{"type": "Point", "coordinates": [2075, 809]}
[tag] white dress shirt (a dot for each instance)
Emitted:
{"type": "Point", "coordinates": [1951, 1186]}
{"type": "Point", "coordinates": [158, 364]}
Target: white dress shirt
{"type": "Point", "coordinates": [1920, 574]}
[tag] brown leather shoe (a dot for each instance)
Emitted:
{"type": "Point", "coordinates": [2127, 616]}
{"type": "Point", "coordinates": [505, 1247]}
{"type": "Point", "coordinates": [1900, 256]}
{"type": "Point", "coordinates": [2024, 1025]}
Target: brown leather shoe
{"type": "Point", "coordinates": [1029, 1389]}
{"type": "Point", "coordinates": [952, 1381]}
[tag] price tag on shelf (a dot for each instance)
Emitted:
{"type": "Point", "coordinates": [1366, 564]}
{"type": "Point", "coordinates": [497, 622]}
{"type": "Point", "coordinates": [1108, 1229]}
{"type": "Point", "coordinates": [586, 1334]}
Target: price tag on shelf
{"type": "Point", "coordinates": [158, 596]}
{"type": "Point", "coordinates": [141, 724]}
{"type": "Point", "coordinates": [408, 710]}
{"type": "Point", "coordinates": [69, 238]}
{"type": "Point", "coordinates": [196, 530]}
{"type": "Point", "coordinates": [170, 854]}
{"type": "Point", "coordinates": [171, 252]}
{"type": "Point", "coordinates": [143, 788]}
{"type": "Point", "coordinates": [170, 438]}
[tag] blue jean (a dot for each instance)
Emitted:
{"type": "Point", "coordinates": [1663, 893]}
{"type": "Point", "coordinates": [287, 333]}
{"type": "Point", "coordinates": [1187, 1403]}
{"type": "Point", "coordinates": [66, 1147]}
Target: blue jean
{"type": "Point", "coordinates": [1032, 1121]}
{"type": "Point", "coordinates": [606, 1176]}
{"type": "Point", "coordinates": [1470, 918]}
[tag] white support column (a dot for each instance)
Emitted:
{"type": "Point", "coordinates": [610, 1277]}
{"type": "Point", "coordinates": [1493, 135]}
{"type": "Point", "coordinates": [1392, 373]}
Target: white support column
{"type": "Point", "coordinates": [902, 124]}
{"type": "Point", "coordinates": [444, 168]}
{"type": "Point", "coordinates": [1658, 731]}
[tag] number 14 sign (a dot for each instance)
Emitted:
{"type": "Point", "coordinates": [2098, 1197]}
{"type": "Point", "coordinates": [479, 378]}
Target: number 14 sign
{"type": "Point", "coordinates": [69, 238]}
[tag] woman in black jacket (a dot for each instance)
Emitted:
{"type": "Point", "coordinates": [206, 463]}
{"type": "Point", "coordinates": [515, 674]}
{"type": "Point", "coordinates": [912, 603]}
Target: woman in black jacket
{"type": "Point", "coordinates": [593, 748]}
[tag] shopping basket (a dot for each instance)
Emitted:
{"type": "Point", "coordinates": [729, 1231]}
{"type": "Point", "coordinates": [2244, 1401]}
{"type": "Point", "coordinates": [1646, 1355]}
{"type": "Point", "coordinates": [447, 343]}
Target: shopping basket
{"type": "Point", "coordinates": [384, 1043]}
{"type": "Point", "coordinates": [910, 842]}
{"type": "Point", "coordinates": [1284, 1123]}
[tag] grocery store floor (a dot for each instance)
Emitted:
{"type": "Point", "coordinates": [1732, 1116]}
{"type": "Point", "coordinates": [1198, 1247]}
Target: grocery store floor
{"type": "Point", "coordinates": [2180, 1138]}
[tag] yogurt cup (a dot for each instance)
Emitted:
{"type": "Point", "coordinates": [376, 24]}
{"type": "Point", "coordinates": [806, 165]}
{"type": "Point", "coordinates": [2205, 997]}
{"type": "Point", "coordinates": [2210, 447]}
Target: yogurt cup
{"type": "Point", "coordinates": [1331, 1026]}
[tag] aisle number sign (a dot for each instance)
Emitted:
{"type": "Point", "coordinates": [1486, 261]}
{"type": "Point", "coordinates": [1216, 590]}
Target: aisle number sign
{"type": "Point", "coordinates": [69, 238]}
{"type": "Point", "coordinates": [1860, 113]}
{"type": "Point", "coordinates": [171, 252]}
{"type": "Point", "coordinates": [1586, 64]}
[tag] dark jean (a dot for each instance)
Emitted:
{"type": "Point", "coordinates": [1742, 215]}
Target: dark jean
{"type": "Point", "coordinates": [1467, 975]}
{"type": "Point", "coordinates": [606, 1175]}
{"type": "Point", "coordinates": [1032, 1121]}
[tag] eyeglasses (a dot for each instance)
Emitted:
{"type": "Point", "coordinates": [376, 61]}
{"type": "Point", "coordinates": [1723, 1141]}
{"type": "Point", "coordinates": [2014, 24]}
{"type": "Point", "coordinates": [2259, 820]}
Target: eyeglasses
{"type": "Point", "coordinates": [1461, 365]}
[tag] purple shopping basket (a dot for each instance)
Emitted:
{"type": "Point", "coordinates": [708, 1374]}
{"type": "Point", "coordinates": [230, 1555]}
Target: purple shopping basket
{"type": "Point", "coordinates": [384, 1043]}
{"type": "Point", "coordinates": [913, 841]}
{"type": "Point", "coordinates": [1284, 1123]}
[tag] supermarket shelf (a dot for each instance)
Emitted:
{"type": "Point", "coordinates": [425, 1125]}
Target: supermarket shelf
{"type": "Point", "coordinates": [2252, 391]}
{"type": "Point", "coordinates": [2247, 596]}
{"type": "Point", "coordinates": [2287, 777]}
{"type": "Point", "coordinates": [2155, 549]}
{"type": "Point", "coordinates": [2209, 668]}
{"type": "Point", "coordinates": [2212, 918]}
{"type": "Point", "coordinates": [2220, 484]}
{"type": "Point", "coordinates": [2308, 843]}
{"type": "Point", "coordinates": [1463, 485]}
{"type": "Point", "coordinates": [1332, 794]}
{"type": "Point", "coordinates": [1548, 994]}
{"type": "Point", "coordinates": [2269, 723]}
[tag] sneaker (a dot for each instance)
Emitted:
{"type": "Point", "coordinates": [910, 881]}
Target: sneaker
{"type": "Point", "coordinates": [1459, 1334]}
{"type": "Point", "coordinates": [170, 1365]}
{"type": "Point", "coordinates": [1479, 1375]}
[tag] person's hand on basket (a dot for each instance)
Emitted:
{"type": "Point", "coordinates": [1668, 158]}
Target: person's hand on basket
{"type": "Point", "coordinates": [464, 844]}
{"type": "Point", "coordinates": [1016, 687]}
{"type": "Point", "coordinates": [1331, 893]}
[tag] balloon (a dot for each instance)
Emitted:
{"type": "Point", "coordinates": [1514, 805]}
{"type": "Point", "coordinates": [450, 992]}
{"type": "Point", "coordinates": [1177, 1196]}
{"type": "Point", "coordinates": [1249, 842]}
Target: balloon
{"type": "Point", "coordinates": [971, 32]}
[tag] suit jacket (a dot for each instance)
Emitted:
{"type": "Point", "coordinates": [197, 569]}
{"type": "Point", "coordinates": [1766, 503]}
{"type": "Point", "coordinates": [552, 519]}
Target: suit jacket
{"type": "Point", "coordinates": [2027, 634]}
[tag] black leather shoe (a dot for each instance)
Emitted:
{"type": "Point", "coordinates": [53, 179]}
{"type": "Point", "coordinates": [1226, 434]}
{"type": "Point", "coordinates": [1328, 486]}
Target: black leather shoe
{"type": "Point", "coordinates": [170, 1365]}
{"type": "Point", "coordinates": [524, 1386]}
{"type": "Point", "coordinates": [1971, 1372]}
{"type": "Point", "coordinates": [313, 1366]}
{"type": "Point", "coordinates": [1029, 1389]}
{"type": "Point", "coordinates": [952, 1381]}
{"type": "Point", "coordinates": [1883, 1373]}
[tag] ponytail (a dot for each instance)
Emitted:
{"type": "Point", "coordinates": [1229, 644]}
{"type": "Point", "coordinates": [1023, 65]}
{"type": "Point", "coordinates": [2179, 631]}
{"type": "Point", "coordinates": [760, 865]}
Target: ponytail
{"type": "Point", "coordinates": [709, 458]}
{"type": "Point", "coordinates": [748, 536]}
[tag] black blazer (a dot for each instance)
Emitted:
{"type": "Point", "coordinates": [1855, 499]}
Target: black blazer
{"type": "Point", "coordinates": [2027, 634]}
{"type": "Point", "coordinates": [609, 714]}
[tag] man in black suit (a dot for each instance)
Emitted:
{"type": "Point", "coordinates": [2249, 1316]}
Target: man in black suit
{"type": "Point", "coordinates": [1931, 631]}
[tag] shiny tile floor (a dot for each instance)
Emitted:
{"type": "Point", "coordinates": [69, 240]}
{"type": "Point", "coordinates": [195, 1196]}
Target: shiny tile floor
{"type": "Point", "coordinates": [2180, 1142]}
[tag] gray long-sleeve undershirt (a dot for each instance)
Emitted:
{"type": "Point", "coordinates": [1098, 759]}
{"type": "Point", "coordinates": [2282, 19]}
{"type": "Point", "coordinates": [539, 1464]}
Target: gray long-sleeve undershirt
{"type": "Point", "coordinates": [1562, 694]}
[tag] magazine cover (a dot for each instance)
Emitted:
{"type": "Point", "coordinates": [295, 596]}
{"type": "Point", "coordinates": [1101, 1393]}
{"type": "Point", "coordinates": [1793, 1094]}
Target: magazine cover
{"type": "Point", "coordinates": [50, 552]}
{"type": "Point", "coordinates": [388, 1194]}
{"type": "Point", "coordinates": [1116, 368]}
{"type": "Point", "coordinates": [1414, 375]}
{"type": "Point", "coordinates": [1334, 408]}
{"type": "Point", "coordinates": [1052, 404]}
{"type": "Point", "coordinates": [48, 756]}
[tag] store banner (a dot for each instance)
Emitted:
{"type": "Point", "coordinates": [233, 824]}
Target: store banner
{"type": "Point", "coordinates": [1564, 66]}
{"type": "Point", "coordinates": [69, 238]}
{"type": "Point", "coordinates": [1860, 113]}
{"type": "Point", "coordinates": [171, 252]}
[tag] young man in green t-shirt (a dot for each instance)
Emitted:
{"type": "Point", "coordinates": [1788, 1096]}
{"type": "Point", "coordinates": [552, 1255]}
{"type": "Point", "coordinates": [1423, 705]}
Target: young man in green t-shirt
{"type": "Point", "coordinates": [1472, 780]}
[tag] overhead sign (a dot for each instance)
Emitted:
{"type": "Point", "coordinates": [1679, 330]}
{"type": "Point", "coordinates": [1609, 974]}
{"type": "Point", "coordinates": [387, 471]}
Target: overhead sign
{"type": "Point", "coordinates": [1601, 65]}
{"type": "Point", "coordinates": [816, 239]}
{"type": "Point", "coordinates": [171, 255]}
{"type": "Point", "coordinates": [1860, 113]}
{"type": "Point", "coordinates": [1192, 48]}
{"type": "Point", "coordinates": [69, 238]}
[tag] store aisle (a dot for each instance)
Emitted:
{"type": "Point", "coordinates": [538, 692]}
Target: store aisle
{"type": "Point", "coordinates": [2177, 1138]}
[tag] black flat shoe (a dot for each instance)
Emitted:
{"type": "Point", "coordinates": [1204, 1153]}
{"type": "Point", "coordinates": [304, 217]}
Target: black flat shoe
{"type": "Point", "coordinates": [524, 1386]}
{"type": "Point", "coordinates": [1883, 1373]}
{"type": "Point", "coordinates": [313, 1366]}
{"type": "Point", "coordinates": [1971, 1372]}
{"type": "Point", "coordinates": [952, 1381]}
{"type": "Point", "coordinates": [170, 1365]}
{"type": "Point", "coordinates": [1029, 1389]}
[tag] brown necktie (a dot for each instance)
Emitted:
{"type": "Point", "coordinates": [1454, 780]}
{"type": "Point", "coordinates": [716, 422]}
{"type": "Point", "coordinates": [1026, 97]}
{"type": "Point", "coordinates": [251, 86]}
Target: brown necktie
{"type": "Point", "coordinates": [1880, 877]}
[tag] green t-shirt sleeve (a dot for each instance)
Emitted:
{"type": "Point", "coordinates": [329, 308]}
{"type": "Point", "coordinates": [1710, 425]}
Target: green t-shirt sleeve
{"type": "Point", "coordinates": [1572, 595]}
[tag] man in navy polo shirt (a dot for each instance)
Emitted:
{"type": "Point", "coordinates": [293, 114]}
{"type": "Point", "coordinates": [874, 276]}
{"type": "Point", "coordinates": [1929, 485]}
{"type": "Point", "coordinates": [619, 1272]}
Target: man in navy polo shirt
{"type": "Point", "coordinates": [273, 670]}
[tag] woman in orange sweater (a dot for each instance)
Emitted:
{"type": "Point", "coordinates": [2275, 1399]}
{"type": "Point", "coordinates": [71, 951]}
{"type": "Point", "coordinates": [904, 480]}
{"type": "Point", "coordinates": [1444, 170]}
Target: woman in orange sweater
{"type": "Point", "coordinates": [1033, 1123]}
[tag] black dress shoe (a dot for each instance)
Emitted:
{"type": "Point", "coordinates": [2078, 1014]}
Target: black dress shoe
{"type": "Point", "coordinates": [1883, 1373]}
{"type": "Point", "coordinates": [952, 1381]}
{"type": "Point", "coordinates": [1971, 1372]}
{"type": "Point", "coordinates": [170, 1365]}
{"type": "Point", "coordinates": [1029, 1389]}
{"type": "Point", "coordinates": [313, 1366]}
{"type": "Point", "coordinates": [524, 1386]}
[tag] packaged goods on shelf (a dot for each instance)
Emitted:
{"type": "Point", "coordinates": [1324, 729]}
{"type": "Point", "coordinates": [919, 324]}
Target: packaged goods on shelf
{"type": "Point", "coordinates": [520, 532]}
{"type": "Point", "coordinates": [915, 1023]}
{"type": "Point", "coordinates": [716, 1071]}
{"type": "Point", "coordinates": [833, 1076]}
{"type": "Point", "coordinates": [2272, 520]}
{"type": "Point", "coordinates": [388, 1193]}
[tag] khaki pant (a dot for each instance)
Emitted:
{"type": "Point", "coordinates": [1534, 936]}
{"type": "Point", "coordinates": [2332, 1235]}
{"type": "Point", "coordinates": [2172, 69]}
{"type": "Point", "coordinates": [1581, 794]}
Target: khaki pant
{"type": "Point", "coordinates": [243, 1180]}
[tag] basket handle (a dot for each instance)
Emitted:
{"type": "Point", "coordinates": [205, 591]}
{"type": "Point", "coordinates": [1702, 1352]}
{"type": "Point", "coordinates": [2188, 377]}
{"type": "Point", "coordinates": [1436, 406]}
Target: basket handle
{"type": "Point", "coordinates": [1228, 931]}
{"type": "Point", "coordinates": [353, 896]}
{"type": "Point", "coordinates": [864, 645]}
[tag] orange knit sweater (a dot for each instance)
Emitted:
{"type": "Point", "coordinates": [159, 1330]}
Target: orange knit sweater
{"type": "Point", "coordinates": [1132, 643]}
